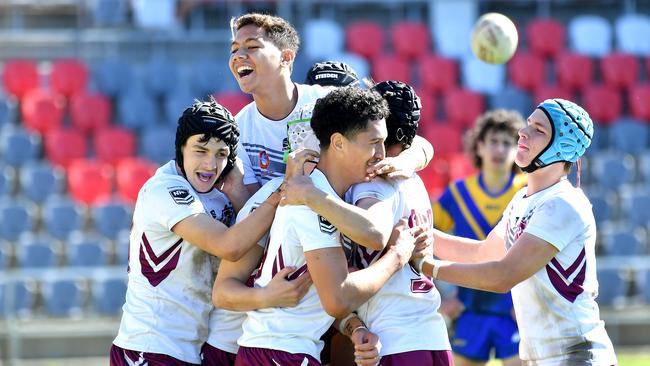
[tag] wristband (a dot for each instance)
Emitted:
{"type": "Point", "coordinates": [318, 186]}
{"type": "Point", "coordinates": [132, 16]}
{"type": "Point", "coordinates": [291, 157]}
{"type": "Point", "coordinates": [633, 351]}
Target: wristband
{"type": "Point", "coordinates": [436, 267]}
{"type": "Point", "coordinates": [344, 321]}
{"type": "Point", "coordinates": [362, 326]}
{"type": "Point", "coordinates": [421, 262]}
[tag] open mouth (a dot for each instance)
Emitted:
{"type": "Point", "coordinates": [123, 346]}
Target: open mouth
{"type": "Point", "coordinates": [244, 71]}
{"type": "Point", "coordinates": [205, 177]}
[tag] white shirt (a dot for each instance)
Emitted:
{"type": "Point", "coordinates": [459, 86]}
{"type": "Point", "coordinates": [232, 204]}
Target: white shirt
{"type": "Point", "coordinates": [556, 308]}
{"type": "Point", "coordinates": [168, 298]}
{"type": "Point", "coordinates": [262, 140]}
{"type": "Point", "coordinates": [295, 230]}
{"type": "Point", "coordinates": [404, 313]}
{"type": "Point", "coordinates": [226, 325]}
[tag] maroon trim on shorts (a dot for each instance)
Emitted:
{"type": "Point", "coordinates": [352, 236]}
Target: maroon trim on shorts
{"type": "Point", "coordinates": [213, 356]}
{"type": "Point", "coordinates": [251, 356]}
{"type": "Point", "coordinates": [418, 358]}
{"type": "Point", "coordinates": [124, 357]}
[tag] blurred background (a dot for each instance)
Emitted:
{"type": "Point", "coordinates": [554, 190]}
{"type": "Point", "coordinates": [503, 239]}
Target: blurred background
{"type": "Point", "coordinates": [91, 90]}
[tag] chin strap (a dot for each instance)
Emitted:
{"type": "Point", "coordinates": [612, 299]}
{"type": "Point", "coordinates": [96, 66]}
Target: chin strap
{"type": "Point", "coordinates": [578, 173]}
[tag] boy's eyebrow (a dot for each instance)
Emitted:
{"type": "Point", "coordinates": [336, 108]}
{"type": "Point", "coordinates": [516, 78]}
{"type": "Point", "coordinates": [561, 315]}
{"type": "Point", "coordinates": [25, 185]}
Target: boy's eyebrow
{"type": "Point", "coordinates": [246, 40]}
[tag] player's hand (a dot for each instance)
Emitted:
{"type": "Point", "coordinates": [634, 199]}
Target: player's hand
{"type": "Point", "coordinates": [402, 241]}
{"type": "Point", "coordinates": [366, 347]}
{"type": "Point", "coordinates": [234, 180]}
{"type": "Point", "coordinates": [393, 167]}
{"type": "Point", "coordinates": [423, 235]}
{"type": "Point", "coordinates": [295, 190]}
{"type": "Point", "coordinates": [451, 307]}
{"type": "Point", "coordinates": [297, 159]}
{"type": "Point", "coordinates": [284, 293]}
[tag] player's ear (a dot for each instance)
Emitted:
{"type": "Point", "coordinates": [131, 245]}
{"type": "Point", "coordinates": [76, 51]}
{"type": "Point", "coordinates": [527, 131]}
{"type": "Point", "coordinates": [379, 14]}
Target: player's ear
{"type": "Point", "coordinates": [336, 141]}
{"type": "Point", "coordinates": [287, 57]}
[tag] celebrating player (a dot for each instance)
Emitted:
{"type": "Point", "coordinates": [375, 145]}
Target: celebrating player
{"type": "Point", "coordinates": [471, 207]}
{"type": "Point", "coordinates": [543, 249]}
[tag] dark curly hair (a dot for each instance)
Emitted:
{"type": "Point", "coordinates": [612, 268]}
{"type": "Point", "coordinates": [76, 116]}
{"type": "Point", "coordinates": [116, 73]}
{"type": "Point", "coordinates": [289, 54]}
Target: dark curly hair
{"type": "Point", "coordinates": [347, 111]}
{"type": "Point", "coordinates": [404, 105]}
{"type": "Point", "coordinates": [281, 33]}
{"type": "Point", "coordinates": [509, 121]}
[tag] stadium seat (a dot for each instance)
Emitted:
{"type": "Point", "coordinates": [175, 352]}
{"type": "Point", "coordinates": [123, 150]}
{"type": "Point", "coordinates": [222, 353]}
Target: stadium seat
{"type": "Point", "coordinates": [635, 206]}
{"type": "Point", "coordinates": [445, 138]}
{"type": "Point", "coordinates": [175, 103]}
{"type": "Point", "coordinates": [161, 76]}
{"type": "Point", "coordinates": [64, 145]}
{"type": "Point", "coordinates": [435, 177]}
{"type": "Point", "coordinates": [113, 144]}
{"type": "Point", "coordinates": [5, 255]}
{"type": "Point", "coordinates": [512, 97]}
{"type": "Point", "coordinates": [602, 205]}
{"type": "Point", "coordinates": [68, 76]}
{"type": "Point", "coordinates": [611, 287]}
{"type": "Point", "coordinates": [8, 110]}
{"type": "Point", "coordinates": [428, 114]}
{"type": "Point", "coordinates": [590, 35]}
{"type": "Point", "coordinates": [547, 91]}
{"type": "Point", "coordinates": [629, 136]}
{"type": "Point", "coordinates": [463, 106]}
{"type": "Point", "coordinates": [109, 218]}
{"type": "Point", "coordinates": [451, 26]}
{"type": "Point", "coordinates": [645, 291]}
{"type": "Point", "coordinates": [42, 110]}
{"type": "Point", "coordinates": [624, 241]}
{"type": "Point", "coordinates": [90, 112]}
{"type": "Point", "coordinates": [628, 28]}
{"type": "Point", "coordinates": [410, 40]}
{"type": "Point", "coordinates": [63, 297]}
{"type": "Point", "coordinates": [644, 165]}
{"type": "Point", "coordinates": [611, 170]}
{"type": "Point", "coordinates": [460, 166]}
{"type": "Point", "coordinates": [7, 181]}
{"type": "Point", "coordinates": [122, 247]}
{"type": "Point", "coordinates": [108, 13]}
{"type": "Point", "coordinates": [113, 76]}
{"type": "Point", "coordinates": [391, 67]}
{"type": "Point", "coordinates": [90, 181]}
{"type": "Point", "coordinates": [36, 251]}
{"type": "Point", "coordinates": [574, 71]}
{"type": "Point", "coordinates": [323, 38]}
{"type": "Point", "coordinates": [137, 110]}
{"type": "Point", "coordinates": [18, 146]}
{"type": "Point", "coordinates": [41, 180]}
{"type": "Point", "coordinates": [156, 144]}
{"type": "Point", "coordinates": [365, 38]}
{"type": "Point", "coordinates": [17, 297]}
{"type": "Point", "coordinates": [482, 77]}
{"type": "Point", "coordinates": [545, 36]}
{"type": "Point", "coordinates": [131, 174]}
{"type": "Point", "coordinates": [17, 217]}
{"type": "Point", "coordinates": [206, 77]}
{"type": "Point", "coordinates": [86, 250]}
{"type": "Point", "coordinates": [438, 74]}
{"type": "Point", "coordinates": [19, 77]}
{"type": "Point", "coordinates": [639, 101]}
{"type": "Point", "coordinates": [619, 70]}
{"type": "Point", "coordinates": [233, 101]}
{"type": "Point", "coordinates": [604, 103]}
{"type": "Point", "coordinates": [356, 62]}
{"type": "Point", "coordinates": [62, 216]}
{"type": "Point", "coordinates": [527, 71]}
{"type": "Point", "coordinates": [108, 293]}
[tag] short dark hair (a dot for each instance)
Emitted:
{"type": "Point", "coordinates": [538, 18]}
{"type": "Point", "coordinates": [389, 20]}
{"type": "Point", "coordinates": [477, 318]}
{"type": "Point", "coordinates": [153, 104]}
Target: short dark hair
{"type": "Point", "coordinates": [509, 121]}
{"type": "Point", "coordinates": [347, 111]}
{"type": "Point", "coordinates": [281, 33]}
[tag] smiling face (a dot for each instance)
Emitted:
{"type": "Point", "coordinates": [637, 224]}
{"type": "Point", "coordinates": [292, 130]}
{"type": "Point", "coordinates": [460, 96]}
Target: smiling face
{"type": "Point", "coordinates": [533, 138]}
{"type": "Point", "coordinates": [204, 161]}
{"type": "Point", "coordinates": [365, 148]}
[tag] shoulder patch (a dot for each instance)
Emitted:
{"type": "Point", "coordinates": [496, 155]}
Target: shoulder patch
{"type": "Point", "coordinates": [181, 196]}
{"type": "Point", "coordinates": [325, 226]}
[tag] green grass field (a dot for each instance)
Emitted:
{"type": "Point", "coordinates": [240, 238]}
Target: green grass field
{"type": "Point", "coordinates": [624, 359]}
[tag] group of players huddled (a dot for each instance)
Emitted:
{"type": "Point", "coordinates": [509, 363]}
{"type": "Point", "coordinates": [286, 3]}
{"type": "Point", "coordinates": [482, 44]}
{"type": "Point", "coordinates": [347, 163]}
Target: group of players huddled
{"type": "Point", "coordinates": [303, 216]}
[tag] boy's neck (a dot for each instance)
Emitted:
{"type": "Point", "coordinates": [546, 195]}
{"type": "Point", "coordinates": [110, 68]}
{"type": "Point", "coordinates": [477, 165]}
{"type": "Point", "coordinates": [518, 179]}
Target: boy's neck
{"type": "Point", "coordinates": [545, 177]}
{"type": "Point", "coordinates": [277, 101]}
{"type": "Point", "coordinates": [336, 177]}
{"type": "Point", "coordinates": [495, 180]}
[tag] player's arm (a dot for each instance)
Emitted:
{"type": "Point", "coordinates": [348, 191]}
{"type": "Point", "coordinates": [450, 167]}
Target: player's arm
{"type": "Point", "coordinates": [415, 158]}
{"type": "Point", "coordinates": [459, 249]}
{"type": "Point", "coordinates": [231, 243]}
{"type": "Point", "coordinates": [233, 186]}
{"type": "Point", "coordinates": [366, 343]}
{"type": "Point", "coordinates": [230, 291]}
{"type": "Point", "coordinates": [250, 181]}
{"type": "Point", "coordinates": [341, 292]}
{"type": "Point", "coordinates": [527, 256]}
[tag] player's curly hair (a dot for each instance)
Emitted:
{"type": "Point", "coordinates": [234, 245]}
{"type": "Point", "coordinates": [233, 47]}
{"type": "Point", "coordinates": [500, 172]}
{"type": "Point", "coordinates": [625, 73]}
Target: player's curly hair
{"type": "Point", "coordinates": [347, 111]}
{"type": "Point", "coordinates": [279, 31]}
{"type": "Point", "coordinates": [509, 121]}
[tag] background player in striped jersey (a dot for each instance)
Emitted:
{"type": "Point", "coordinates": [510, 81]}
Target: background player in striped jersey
{"type": "Point", "coordinates": [543, 248]}
{"type": "Point", "coordinates": [470, 208]}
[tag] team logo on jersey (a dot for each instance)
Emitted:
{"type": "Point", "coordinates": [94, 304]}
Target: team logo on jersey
{"type": "Point", "coordinates": [227, 214]}
{"type": "Point", "coordinates": [264, 160]}
{"type": "Point", "coordinates": [421, 285]}
{"type": "Point", "coordinates": [325, 226]}
{"type": "Point", "coordinates": [182, 196]}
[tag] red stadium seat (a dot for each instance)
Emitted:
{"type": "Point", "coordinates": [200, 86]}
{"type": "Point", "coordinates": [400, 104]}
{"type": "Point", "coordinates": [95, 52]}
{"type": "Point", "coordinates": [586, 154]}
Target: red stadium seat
{"type": "Point", "coordinates": [639, 101]}
{"type": "Point", "coordinates": [603, 103]}
{"type": "Point", "coordinates": [460, 166]}
{"type": "Point", "coordinates": [462, 106]}
{"type": "Point", "coordinates": [527, 71]}
{"type": "Point", "coordinates": [546, 37]}
{"type": "Point", "coordinates": [42, 110]}
{"type": "Point", "coordinates": [90, 112]}
{"type": "Point", "coordinates": [438, 74]}
{"type": "Point", "coordinates": [131, 174]}
{"type": "Point", "coordinates": [68, 76]}
{"type": "Point", "coordinates": [365, 38]}
{"type": "Point", "coordinates": [233, 101]}
{"type": "Point", "coordinates": [550, 91]}
{"type": "Point", "coordinates": [435, 177]}
{"type": "Point", "coordinates": [64, 145]}
{"type": "Point", "coordinates": [410, 39]}
{"type": "Point", "coordinates": [428, 112]}
{"type": "Point", "coordinates": [619, 70]}
{"type": "Point", "coordinates": [445, 138]}
{"type": "Point", "coordinates": [391, 67]}
{"type": "Point", "coordinates": [574, 71]}
{"type": "Point", "coordinates": [90, 181]}
{"type": "Point", "coordinates": [19, 77]}
{"type": "Point", "coordinates": [113, 144]}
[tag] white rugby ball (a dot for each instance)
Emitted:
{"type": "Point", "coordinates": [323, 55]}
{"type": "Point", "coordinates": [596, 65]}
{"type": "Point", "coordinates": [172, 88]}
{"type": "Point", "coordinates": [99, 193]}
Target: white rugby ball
{"type": "Point", "coordinates": [494, 38]}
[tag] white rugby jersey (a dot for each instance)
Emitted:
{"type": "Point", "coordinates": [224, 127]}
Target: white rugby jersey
{"type": "Point", "coordinates": [404, 313]}
{"type": "Point", "coordinates": [226, 325]}
{"type": "Point", "coordinates": [168, 298]}
{"type": "Point", "coordinates": [295, 230]}
{"type": "Point", "coordinates": [556, 308]}
{"type": "Point", "coordinates": [262, 140]}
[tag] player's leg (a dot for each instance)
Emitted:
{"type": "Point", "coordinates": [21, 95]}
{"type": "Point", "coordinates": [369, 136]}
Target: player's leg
{"type": "Point", "coordinates": [506, 340]}
{"type": "Point", "coordinates": [470, 341]}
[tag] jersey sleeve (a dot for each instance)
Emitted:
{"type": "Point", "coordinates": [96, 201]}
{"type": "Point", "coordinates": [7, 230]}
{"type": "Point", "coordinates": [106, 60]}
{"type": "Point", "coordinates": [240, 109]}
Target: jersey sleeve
{"type": "Point", "coordinates": [442, 219]}
{"type": "Point", "coordinates": [379, 189]}
{"type": "Point", "coordinates": [170, 201]}
{"type": "Point", "coordinates": [556, 221]}
{"type": "Point", "coordinates": [312, 230]}
{"type": "Point", "coordinates": [249, 174]}
{"type": "Point", "coordinates": [256, 200]}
